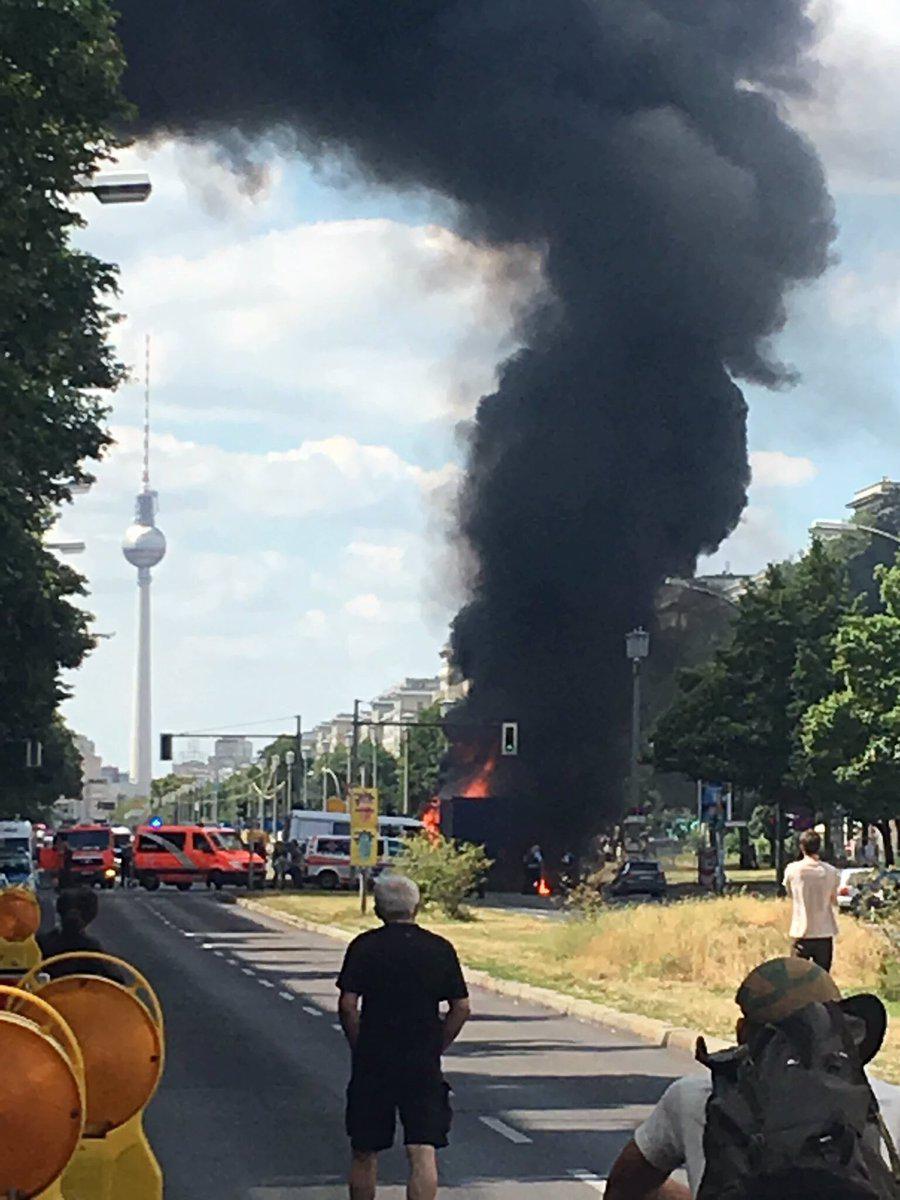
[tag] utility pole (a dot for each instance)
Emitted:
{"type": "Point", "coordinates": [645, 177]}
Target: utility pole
{"type": "Point", "coordinates": [298, 751]}
{"type": "Point", "coordinates": [406, 772]}
{"type": "Point", "coordinates": [637, 647]}
{"type": "Point", "coordinates": [353, 764]}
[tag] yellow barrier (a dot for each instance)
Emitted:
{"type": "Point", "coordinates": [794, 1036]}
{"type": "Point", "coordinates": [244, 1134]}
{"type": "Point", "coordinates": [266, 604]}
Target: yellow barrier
{"type": "Point", "coordinates": [119, 1027]}
{"type": "Point", "coordinates": [42, 1101]}
{"type": "Point", "coordinates": [20, 919]}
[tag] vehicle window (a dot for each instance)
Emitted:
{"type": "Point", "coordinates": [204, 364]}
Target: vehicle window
{"type": "Point", "coordinates": [89, 839]}
{"type": "Point", "coordinates": [228, 839]}
{"type": "Point", "coordinates": [151, 844]}
{"type": "Point", "coordinates": [342, 827]}
{"type": "Point", "coordinates": [201, 843]}
{"type": "Point", "coordinates": [334, 845]}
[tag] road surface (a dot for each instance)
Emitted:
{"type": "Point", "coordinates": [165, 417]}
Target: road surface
{"type": "Point", "coordinates": [251, 1103]}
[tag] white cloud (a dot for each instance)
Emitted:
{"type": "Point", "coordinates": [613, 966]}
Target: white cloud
{"type": "Point", "coordinates": [760, 538]}
{"type": "Point", "coordinates": [855, 113]}
{"type": "Point", "coordinates": [775, 469]}
{"type": "Point", "coordinates": [368, 316]}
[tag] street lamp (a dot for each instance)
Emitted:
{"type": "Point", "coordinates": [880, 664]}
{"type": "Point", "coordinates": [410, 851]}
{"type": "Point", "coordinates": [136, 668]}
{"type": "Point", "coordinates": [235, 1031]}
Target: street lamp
{"type": "Point", "coordinates": [290, 758]}
{"type": "Point", "coordinates": [637, 647]}
{"type": "Point", "coordinates": [833, 527]}
{"type": "Point", "coordinates": [65, 547]}
{"type": "Point", "coordinates": [118, 189]}
{"type": "Point", "coordinates": [337, 784]}
{"type": "Point", "coordinates": [274, 763]}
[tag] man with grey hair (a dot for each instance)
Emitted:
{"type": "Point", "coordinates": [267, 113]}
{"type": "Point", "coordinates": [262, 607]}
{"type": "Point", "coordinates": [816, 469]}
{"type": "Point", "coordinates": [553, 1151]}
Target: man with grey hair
{"type": "Point", "coordinates": [399, 974]}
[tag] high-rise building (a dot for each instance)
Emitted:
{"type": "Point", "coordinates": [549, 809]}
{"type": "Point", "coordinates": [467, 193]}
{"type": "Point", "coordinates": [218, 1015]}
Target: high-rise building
{"type": "Point", "coordinates": [144, 547]}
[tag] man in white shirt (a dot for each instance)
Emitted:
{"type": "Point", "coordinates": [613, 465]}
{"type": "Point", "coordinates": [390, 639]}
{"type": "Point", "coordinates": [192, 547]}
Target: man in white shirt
{"type": "Point", "coordinates": [812, 886]}
{"type": "Point", "coordinates": [672, 1136]}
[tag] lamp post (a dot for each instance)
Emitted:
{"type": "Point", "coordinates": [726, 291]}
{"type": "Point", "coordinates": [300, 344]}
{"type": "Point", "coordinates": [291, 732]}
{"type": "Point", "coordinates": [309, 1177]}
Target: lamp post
{"type": "Point", "coordinates": [851, 527]}
{"type": "Point", "coordinates": [637, 647]}
{"type": "Point", "coordinates": [274, 764]}
{"type": "Point", "coordinates": [290, 758]}
{"type": "Point", "coordinates": [337, 784]}
{"type": "Point", "coordinates": [117, 188]}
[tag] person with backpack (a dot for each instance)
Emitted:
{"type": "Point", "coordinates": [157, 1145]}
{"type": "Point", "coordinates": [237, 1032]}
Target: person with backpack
{"type": "Point", "coordinates": [788, 1112]}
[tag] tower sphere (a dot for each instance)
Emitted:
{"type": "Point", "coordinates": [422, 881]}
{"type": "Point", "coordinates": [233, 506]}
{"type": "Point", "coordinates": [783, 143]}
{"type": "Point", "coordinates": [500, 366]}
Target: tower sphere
{"type": "Point", "coordinates": [144, 545]}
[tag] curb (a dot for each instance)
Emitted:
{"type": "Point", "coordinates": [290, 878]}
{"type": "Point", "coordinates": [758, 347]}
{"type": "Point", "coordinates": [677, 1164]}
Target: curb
{"type": "Point", "coordinates": [649, 1029]}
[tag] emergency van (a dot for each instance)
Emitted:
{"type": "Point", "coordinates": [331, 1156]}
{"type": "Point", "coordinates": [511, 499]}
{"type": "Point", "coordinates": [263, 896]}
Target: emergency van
{"type": "Point", "coordinates": [182, 855]}
{"type": "Point", "coordinates": [83, 853]}
{"type": "Point", "coordinates": [16, 861]}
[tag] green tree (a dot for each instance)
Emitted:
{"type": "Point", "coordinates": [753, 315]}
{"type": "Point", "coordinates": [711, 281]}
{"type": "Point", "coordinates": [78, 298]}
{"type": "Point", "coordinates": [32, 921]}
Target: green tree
{"type": "Point", "coordinates": [852, 734]}
{"type": "Point", "coordinates": [738, 717]}
{"type": "Point", "coordinates": [30, 792]}
{"type": "Point", "coordinates": [59, 94]}
{"type": "Point", "coordinates": [427, 747]}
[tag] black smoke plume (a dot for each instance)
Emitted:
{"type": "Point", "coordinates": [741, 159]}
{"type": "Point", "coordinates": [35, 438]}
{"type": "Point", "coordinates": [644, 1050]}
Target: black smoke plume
{"type": "Point", "coordinates": [638, 145]}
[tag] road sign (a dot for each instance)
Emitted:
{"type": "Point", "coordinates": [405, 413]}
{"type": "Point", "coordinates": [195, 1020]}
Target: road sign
{"type": "Point", "coordinates": [363, 805]}
{"type": "Point", "coordinates": [509, 738]}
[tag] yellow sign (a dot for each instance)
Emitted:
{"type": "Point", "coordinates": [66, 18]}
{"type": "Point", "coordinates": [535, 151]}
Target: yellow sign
{"type": "Point", "coordinates": [335, 804]}
{"type": "Point", "coordinates": [363, 804]}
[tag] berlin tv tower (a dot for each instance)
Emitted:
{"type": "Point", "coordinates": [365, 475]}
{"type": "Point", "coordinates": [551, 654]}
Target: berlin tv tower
{"type": "Point", "coordinates": [144, 546]}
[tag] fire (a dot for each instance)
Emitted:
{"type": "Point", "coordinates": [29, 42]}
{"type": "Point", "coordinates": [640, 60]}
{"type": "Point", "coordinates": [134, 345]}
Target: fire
{"type": "Point", "coordinates": [479, 786]}
{"type": "Point", "coordinates": [543, 888]}
{"type": "Point", "coordinates": [431, 819]}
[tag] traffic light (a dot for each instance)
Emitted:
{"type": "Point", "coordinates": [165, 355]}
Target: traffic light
{"type": "Point", "coordinates": [165, 747]}
{"type": "Point", "coordinates": [509, 738]}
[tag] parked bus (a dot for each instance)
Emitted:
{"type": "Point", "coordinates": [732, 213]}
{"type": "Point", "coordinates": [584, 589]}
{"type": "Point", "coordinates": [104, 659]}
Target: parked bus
{"type": "Point", "coordinates": [306, 823]}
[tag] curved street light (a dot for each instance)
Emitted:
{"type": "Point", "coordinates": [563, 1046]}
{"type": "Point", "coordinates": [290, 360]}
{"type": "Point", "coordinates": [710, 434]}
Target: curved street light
{"type": "Point", "coordinates": [851, 527]}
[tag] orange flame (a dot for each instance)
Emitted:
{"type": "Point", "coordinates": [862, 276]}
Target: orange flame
{"type": "Point", "coordinates": [479, 786]}
{"type": "Point", "coordinates": [431, 819]}
{"type": "Point", "coordinates": [543, 888]}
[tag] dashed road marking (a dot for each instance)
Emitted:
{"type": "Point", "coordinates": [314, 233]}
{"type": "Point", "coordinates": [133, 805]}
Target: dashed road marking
{"type": "Point", "coordinates": [286, 995]}
{"type": "Point", "coordinates": [589, 1179]}
{"type": "Point", "coordinates": [218, 953]}
{"type": "Point", "coordinates": [337, 1025]}
{"type": "Point", "coordinates": [266, 983]}
{"type": "Point", "coordinates": [507, 1131]}
{"type": "Point", "coordinates": [248, 971]}
{"type": "Point", "coordinates": [313, 1012]}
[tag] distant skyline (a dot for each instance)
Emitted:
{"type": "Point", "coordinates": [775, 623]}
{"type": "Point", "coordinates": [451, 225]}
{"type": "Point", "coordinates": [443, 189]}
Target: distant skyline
{"type": "Point", "coordinates": [314, 348]}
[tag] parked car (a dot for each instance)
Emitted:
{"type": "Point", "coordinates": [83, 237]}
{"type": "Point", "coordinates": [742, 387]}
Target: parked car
{"type": "Point", "coordinates": [876, 891]}
{"type": "Point", "coordinates": [848, 885]}
{"type": "Point", "coordinates": [638, 878]}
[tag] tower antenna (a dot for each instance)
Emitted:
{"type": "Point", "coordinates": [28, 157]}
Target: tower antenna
{"type": "Point", "coordinates": [145, 478]}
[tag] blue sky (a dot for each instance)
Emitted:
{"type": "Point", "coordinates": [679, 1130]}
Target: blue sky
{"type": "Point", "coordinates": [314, 347]}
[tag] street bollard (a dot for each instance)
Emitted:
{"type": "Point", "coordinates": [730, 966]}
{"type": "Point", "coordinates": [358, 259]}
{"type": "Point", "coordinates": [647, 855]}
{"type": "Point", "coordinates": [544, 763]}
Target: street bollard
{"type": "Point", "coordinates": [119, 1028]}
{"type": "Point", "coordinates": [42, 1101]}
{"type": "Point", "coordinates": [20, 919]}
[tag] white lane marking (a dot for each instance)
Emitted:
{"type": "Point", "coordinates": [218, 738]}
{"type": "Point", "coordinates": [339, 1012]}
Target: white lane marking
{"type": "Point", "coordinates": [313, 1012]}
{"type": "Point", "coordinates": [286, 995]}
{"type": "Point", "coordinates": [337, 1025]}
{"type": "Point", "coordinates": [218, 953]}
{"type": "Point", "coordinates": [589, 1179]}
{"type": "Point", "coordinates": [247, 971]}
{"type": "Point", "coordinates": [507, 1131]}
{"type": "Point", "coordinates": [266, 983]}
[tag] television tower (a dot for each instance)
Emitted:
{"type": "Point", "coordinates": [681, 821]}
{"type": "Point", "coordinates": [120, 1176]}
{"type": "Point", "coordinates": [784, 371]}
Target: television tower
{"type": "Point", "coordinates": [144, 546]}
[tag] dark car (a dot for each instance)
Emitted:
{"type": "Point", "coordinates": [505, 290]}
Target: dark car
{"type": "Point", "coordinates": [880, 889]}
{"type": "Point", "coordinates": [638, 878]}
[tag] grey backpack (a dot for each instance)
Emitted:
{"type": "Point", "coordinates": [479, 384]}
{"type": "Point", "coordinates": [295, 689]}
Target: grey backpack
{"type": "Point", "coordinates": [793, 1115]}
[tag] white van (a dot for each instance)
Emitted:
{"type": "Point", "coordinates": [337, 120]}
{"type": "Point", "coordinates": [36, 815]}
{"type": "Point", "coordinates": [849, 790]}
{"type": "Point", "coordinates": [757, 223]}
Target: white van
{"type": "Point", "coordinates": [327, 860]}
{"type": "Point", "coordinates": [16, 857]}
{"type": "Point", "coordinates": [306, 823]}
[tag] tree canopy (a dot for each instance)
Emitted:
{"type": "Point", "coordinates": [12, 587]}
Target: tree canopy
{"type": "Point", "coordinates": [59, 93]}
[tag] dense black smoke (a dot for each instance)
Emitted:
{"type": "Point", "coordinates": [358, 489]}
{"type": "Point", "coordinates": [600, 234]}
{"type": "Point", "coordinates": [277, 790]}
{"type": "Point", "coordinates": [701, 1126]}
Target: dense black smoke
{"type": "Point", "coordinates": [635, 143]}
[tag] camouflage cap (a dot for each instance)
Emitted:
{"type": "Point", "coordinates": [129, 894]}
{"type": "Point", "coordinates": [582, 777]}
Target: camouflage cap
{"type": "Point", "coordinates": [781, 986]}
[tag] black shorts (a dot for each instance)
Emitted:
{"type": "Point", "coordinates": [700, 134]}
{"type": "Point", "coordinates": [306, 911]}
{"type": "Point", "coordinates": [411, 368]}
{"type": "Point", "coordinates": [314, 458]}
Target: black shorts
{"type": "Point", "coordinates": [374, 1097]}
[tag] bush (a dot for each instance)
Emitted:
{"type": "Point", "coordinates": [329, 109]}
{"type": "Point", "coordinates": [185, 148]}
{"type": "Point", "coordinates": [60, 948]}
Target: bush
{"type": "Point", "coordinates": [586, 900]}
{"type": "Point", "coordinates": [446, 871]}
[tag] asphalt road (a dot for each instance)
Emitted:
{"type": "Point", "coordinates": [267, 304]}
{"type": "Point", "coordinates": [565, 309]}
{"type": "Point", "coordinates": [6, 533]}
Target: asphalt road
{"type": "Point", "coordinates": [251, 1103]}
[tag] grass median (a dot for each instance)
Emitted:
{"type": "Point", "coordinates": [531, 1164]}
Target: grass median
{"type": "Point", "coordinates": [678, 962]}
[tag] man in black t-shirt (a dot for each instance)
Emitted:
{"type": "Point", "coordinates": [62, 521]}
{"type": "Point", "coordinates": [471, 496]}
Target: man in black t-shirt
{"type": "Point", "coordinates": [401, 973]}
